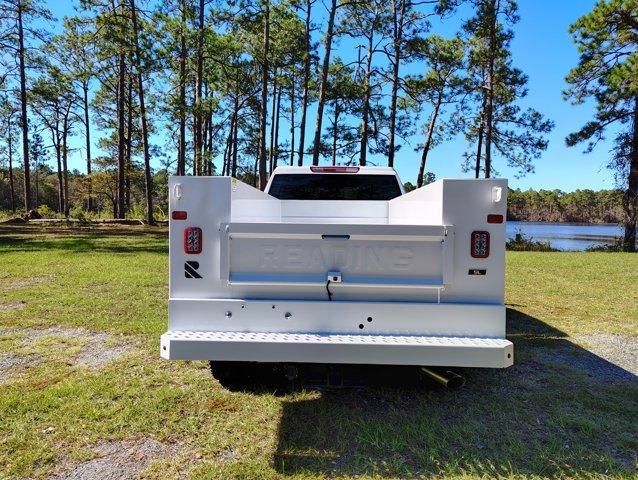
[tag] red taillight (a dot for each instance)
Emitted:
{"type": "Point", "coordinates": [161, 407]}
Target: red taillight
{"type": "Point", "coordinates": [193, 240]}
{"type": "Point", "coordinates": [179, 215]}
{"type": "Point", "coordinates": [480, 244]}
{"type": "Point", "coordinates": [493, 218]}
{"type": "Point", "coordinates": [334, 169]}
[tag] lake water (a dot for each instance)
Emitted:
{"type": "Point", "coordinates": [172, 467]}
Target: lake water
{"type": "Point", "coordinates": [567, 236]}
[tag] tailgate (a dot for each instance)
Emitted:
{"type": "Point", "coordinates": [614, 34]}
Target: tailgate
{"type": "Point", "coordinates": [363, 256]}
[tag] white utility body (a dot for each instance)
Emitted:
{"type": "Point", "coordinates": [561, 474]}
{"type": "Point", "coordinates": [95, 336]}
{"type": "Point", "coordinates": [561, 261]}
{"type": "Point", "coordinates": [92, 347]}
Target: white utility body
{"type": "Point", "coordinates": [337, 265]}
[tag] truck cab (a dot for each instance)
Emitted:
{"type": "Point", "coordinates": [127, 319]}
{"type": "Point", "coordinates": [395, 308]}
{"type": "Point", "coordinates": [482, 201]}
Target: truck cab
{"type": "Point", "coordinates": [337, 265]}
{"type": "Point", "coordinates": [335, 183]}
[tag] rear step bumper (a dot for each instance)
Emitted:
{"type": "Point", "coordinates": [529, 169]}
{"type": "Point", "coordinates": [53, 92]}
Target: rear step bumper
{"type": "Point", "coordinates": [328, 348]}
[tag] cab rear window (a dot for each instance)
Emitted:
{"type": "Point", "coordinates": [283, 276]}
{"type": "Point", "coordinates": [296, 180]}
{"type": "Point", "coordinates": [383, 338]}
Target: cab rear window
{"type": "Point", "coordinates": [334, 186]}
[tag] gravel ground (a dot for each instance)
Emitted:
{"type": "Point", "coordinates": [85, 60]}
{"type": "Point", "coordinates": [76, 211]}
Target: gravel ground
{"type": "Point", "coordinates": [122, 460]}
{"type": "Point", "coordinates": [11, 284]}
{"type": "Point", "coordinates": [11, 364]}
{"type": "Point", "coordinates": [5, 307]}
{"type": "Point", "coordinates": [96, 352]}
{"type": "Point", "coordinates": [617, 349]}
{"type": "Point", "coordinates": [603, 358]}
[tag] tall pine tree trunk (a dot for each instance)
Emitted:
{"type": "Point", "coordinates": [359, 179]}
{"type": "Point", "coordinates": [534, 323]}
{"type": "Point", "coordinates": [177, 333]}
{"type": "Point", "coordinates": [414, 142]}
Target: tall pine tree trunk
{"type": "Point", "coordinates": [397, 34]}
{"type": "Point", "coordinates": [335, 132]}
{"type": "Point", "coordinates": [87, 135]}
{"type": "Point", "coordinates": [209, 158]}
{"type": "Point", "coordinates": [233, 167]}
{"type": "Point", "coordinates": [57, 143]}
{"type": "Point", "coordinates": [181, 154]}
{"type": "Point", "coordinates": [271, 151]}
{"type": "Point", "coordinates": [121, 138]}
{"type": "Point", "coordinates": [37, 180]}
{"type": "Point", "coordinates": [228, 148]}
{"type": "Point", "coordinates": [323, 83]}
{"type": "Point", "coordinates": [11, 184]}
{"type": "Point", "coordinates": [65, 167]}
{"type": "Point", "coordinates": [363, 154]}
{"type": "Point", "coordinates": [198, 90]}
{"type": "Point", "coordinates": [490, 89]}
{"type": "Point", "coordinates": [204, 127]}
{"type": "Point", "coordinates": [263, 112]}
{"type": "Point", "coordinates": [481, 134]}
{"type": "Point", "coordinates": [428, 140]}
{"type": "Point", "coordinates": [479, 148]}
{"type": "Point", "coordinates": [275, 154]}
{"type": "Point", "coordinates": [148, 179]}
{"type": "Point", "coordinates": [306, 81]}
{"type": "Point", "coordinates": [292, 119]}
{"type": "Point", "coordinates": [23, 107]}
{"type": "Point", "coordinates": [129, 143]}
{"type": "Point", "coordinates": [630, 198]}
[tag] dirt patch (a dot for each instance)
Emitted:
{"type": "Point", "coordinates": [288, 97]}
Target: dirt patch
{"type": "Point", "coordinates": [99, 348]}
{"type": "Point", "coordinates": [121, 460]}
{"type": "Point", "coordinates": [227, 456]}
{"type": "Point", "coordinates": [11, 364]}
{"type": "Point", "coordinates": [9, 285]}
{"type": "Point", "coordinates": [5, 307]}
{"type": "Point", "coordinates": [96, 353]}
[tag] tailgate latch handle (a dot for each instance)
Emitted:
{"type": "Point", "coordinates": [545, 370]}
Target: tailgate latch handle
{"type": "Point", "coordinates": [336, 238]}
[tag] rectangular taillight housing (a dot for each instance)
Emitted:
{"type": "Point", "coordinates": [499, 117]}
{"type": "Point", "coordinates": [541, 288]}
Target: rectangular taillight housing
{"type": "Point", "coordinates": [494, 218]}
{"type": "Point", "coordinates": [480, 244]}
{"type": "Point", "coordinates": [179, 215]}
{"type": "Point", "coordinates": [315, 169]}
{"type": "Point", "coordinates": [192, 240]}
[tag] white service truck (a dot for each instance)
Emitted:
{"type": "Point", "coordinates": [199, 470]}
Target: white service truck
{"type": "Point", "coordinates": [336, 265]}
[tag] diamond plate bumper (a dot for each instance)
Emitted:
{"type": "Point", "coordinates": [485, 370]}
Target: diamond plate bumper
{"type": "Point", "coordinates": [328, 348]}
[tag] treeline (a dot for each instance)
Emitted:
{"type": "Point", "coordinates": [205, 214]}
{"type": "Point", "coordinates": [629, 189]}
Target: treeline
{"type": "Point", "coordinates": [100, 187]}
{"type": "Point", "coordinates": [584, 206]}
{"type": "Point", "coordinates": [238, 87]}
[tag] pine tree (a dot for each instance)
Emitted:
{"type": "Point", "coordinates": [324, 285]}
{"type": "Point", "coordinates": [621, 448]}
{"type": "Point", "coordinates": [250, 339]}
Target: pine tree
{"type": "Point", "coordinates": [607, 72]}
{"type": "Point", "coordinates": [18, 19]}
{"type": "Point", "coordinates": [500, 125]}
{"type": "Point", "coordinates": [440, 86]}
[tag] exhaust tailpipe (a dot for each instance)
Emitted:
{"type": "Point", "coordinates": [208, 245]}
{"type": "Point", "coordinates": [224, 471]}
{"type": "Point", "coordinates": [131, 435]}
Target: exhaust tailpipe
{"type": "Point", "coordinates": [448, 379]}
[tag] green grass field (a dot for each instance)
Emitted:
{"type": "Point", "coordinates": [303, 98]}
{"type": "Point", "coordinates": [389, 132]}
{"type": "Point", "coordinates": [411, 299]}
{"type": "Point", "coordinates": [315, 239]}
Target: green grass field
{"type": "Point", "coordinates": [562, 411]}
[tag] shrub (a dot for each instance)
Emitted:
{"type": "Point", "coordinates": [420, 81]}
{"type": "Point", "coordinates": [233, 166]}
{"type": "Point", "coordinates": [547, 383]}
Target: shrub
{"type": "Point", "coordinates": [47, 212]}
{"type": "Point", "coordinates": [616, 246]}
{"type": "Point", "coordinates": [521, 243]}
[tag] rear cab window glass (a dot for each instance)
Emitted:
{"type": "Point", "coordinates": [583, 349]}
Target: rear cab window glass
{"type": "Point", "coordinates": [334, 186]}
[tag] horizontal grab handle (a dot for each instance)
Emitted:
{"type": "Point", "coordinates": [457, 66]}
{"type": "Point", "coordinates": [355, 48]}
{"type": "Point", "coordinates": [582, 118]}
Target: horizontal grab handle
{"type": "Point", "coordinates": [338, 238]}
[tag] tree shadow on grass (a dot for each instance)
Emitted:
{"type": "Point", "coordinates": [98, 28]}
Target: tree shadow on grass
{"type": "Point", "coordinates": [560, 411]}
{"type": "Point", "coordinates": [111, 239]}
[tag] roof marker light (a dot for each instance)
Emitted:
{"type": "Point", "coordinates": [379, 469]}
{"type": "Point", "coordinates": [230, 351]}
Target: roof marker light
{"type": "Point", "coordinates": [315, 169]}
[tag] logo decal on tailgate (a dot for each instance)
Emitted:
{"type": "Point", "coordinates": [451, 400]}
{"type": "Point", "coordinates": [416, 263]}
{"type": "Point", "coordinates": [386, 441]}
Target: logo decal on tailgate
{"type": "Point", "coordinates": [190, 270]}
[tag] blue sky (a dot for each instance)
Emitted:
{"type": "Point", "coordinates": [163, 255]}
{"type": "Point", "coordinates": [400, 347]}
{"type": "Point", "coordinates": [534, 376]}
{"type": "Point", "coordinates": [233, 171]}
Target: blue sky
{"type": "Point", "coordinates": [543, 49]}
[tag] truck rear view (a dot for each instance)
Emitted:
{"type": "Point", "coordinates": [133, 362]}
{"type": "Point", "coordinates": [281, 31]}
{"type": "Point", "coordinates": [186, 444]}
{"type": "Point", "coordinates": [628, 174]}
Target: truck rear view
{"type": "Point", "coordinates": [336, 265]}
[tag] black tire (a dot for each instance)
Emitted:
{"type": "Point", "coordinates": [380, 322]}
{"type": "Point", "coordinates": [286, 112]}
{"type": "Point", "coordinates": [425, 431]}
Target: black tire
{"type": "Point", "coordinates": [234, 376]}
{"type": "Point", "coordinates": [250, 376]}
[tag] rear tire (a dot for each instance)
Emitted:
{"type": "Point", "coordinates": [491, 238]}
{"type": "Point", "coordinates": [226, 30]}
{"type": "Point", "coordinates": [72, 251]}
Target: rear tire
{"type": "Point", "coordinates": [233, 375]}
{"type": "Point", "coordinates": [251, 376]}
